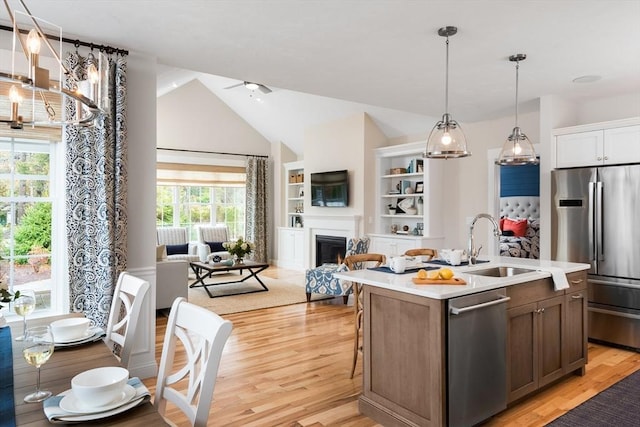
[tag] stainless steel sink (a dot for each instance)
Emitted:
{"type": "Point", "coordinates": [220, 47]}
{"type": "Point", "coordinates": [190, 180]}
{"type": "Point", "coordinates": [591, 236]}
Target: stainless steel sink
{"type": "Point", "coordinates": [500, 271]}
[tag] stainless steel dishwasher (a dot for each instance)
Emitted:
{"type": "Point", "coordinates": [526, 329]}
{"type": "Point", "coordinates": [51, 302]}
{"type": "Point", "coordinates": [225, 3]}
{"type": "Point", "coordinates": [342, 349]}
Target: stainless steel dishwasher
{"type": "Point", "coordinates": [477, 352]}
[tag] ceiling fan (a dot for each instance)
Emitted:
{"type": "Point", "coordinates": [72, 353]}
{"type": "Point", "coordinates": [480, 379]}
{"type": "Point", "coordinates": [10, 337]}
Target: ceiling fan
{"type": "Point", "coordinates": [252, 86]}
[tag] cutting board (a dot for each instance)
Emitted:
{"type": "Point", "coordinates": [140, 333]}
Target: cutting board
{"type": "Point", "coordinates": [452, 281]}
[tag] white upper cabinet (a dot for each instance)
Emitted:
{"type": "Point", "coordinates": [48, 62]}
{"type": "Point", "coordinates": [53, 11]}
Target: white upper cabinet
{"type": "Point", "coordinates": [622, 145]}
{"type": "Point", "coordinates": [612, 144]}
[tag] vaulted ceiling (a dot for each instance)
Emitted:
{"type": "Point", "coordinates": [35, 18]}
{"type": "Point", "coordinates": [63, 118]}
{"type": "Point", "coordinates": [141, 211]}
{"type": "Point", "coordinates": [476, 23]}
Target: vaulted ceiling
{"type": "Point", "coordinates": [325, 57]}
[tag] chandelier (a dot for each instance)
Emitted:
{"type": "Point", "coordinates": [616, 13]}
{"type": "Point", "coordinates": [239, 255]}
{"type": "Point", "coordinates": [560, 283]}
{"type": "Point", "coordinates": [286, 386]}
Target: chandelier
{"type": "Point", "coordinates": [38, 74]}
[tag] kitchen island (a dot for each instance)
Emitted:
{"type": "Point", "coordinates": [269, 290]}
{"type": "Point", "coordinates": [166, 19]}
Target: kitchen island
{"type": "Point", "coordinates": [411, 364]}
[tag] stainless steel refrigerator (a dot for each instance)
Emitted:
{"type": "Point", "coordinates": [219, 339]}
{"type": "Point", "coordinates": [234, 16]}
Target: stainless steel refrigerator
{"type": "Point", "coordinates": [596, 220]}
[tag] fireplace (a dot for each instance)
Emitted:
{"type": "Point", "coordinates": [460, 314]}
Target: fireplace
{"type": "Point", "coordinates": [329, 248]}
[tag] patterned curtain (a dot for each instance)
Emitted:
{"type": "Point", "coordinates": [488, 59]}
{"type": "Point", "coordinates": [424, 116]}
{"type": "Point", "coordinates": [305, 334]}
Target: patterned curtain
{"type": "Point", "coordinates": [96, 177]}
{"type": "Point", "coordinates": [256, 209]}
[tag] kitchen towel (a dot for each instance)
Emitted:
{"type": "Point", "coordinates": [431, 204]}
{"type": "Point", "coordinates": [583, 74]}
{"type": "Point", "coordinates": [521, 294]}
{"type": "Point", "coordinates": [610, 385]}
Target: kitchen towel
{"type": "Point", "coordinates": [57, 415]}
{"type": "Point", "coordinates": [560, 281]}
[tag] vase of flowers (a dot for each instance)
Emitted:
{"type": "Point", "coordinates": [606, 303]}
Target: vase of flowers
{"type": "Point", "coordinates": [239, 249]}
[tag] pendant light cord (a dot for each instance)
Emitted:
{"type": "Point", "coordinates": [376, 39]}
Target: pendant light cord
{"type": "Point", "coordinates": [446, 84]}
{"type": "Point", "coordinates": [517, 68]}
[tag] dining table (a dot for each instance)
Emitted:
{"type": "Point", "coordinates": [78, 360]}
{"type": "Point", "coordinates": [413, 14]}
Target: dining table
{"type": "Point", "coordinates": [56, 375]}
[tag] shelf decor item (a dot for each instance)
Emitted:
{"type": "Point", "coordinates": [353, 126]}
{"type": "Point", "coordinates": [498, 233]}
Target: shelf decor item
{"type": "Point", "coordinates": [419, 187]}
{"type": "Point", "coordinates": [239, 249]}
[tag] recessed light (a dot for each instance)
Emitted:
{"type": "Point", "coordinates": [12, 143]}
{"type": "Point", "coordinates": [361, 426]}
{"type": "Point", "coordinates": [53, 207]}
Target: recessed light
{"type": "Point", "coordinates": [587, 79]}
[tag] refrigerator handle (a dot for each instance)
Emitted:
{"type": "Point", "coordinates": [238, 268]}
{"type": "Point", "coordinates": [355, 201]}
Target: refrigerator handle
{"type": "Point", "coordinates": [592, 221]}
{"type": "Point", "coordinates": [599, 221]}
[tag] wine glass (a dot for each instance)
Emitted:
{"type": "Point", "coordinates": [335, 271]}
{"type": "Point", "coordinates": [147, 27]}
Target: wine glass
{"type": "Point", "coordinates": [37, 348]}
{"type": "Point", "coordinates": [24, 306]}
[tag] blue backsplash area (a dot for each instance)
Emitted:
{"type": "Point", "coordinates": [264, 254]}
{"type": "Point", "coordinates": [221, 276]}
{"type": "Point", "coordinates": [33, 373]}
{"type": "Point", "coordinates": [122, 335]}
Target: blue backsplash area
{"type": "Point", "coordinates": [520, 180]}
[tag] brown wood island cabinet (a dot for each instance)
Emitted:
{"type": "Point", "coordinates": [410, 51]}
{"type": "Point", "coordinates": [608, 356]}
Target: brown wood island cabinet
{"type": "Point", "coordinates": [405, 348]}
{"type": "Point", "coordinates": [546, 334]}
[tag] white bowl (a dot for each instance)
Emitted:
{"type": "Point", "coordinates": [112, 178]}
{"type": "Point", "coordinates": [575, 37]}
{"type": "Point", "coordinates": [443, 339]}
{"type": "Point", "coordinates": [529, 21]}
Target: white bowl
{"type": "Point", "coordinates": [99, 386]}
{"type": "Point", "coordinates": [70, 329]}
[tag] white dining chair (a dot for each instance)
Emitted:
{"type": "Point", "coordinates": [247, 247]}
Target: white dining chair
{"type": "Point", "coordinates": [123, 316]}
{"type": "Point", "coordinates": [203, 334]}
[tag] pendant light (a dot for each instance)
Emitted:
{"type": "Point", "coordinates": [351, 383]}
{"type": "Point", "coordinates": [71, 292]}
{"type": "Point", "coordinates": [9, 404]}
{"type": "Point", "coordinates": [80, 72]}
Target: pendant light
{"type": "Point", "coordinates": [517, 149]}
{"type": "Point", "coordinates": [446, 138]}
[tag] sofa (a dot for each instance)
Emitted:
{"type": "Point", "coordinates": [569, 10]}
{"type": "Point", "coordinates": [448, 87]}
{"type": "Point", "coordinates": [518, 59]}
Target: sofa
{"type": "Point", "coordinates": [520, 215]}
{"type": "Point", "coordinates": [172, 281]}
{"type": "Point", "coordinates": [210, 240]}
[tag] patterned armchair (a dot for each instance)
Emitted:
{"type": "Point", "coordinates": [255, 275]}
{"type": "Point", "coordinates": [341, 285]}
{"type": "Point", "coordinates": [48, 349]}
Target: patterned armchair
{"type": "Point", "coordinates": [210, 241]}
{"type": "Point", "coordinates": [177, 244]}
{"type": "Point", "coordinates": [320, 280]}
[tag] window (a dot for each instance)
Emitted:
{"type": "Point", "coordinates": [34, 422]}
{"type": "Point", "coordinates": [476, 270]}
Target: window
{"type": "Point", "coordinates": [26, 217]}
{"type": "Point", "coordinates": [193, 205]}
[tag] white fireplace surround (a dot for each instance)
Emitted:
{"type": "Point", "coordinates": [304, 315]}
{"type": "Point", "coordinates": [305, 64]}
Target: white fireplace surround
{"type": "Point", "coordinates": [347, 226]}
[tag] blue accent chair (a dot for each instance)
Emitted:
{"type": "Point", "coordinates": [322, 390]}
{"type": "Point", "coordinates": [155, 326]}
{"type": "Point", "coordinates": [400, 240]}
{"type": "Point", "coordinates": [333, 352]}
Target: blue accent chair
{"type": "Point", "coordinates": [320, 280]}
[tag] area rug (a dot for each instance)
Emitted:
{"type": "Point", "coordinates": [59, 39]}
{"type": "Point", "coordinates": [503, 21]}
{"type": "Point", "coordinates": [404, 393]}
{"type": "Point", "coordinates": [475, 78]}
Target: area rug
{"type": "Point", "coordinates": [619, 406]}
{"type": "Point", "coordinates": [280, 293]}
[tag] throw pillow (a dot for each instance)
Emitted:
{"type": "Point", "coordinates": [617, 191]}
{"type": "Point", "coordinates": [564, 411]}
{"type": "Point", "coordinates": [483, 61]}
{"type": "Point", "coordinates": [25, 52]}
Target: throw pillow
{"type": "Point", "coordinates": [178, 249]}
{"type": "Point", "coordinates": [216, 246]}
{"type": "Point", "coordinates": [161, 252]}
{"type": "Point", "coordinates": [518, 226]}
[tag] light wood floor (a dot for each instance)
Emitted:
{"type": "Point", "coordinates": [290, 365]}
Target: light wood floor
{"type": "Point", "coordinates": [289, 366]}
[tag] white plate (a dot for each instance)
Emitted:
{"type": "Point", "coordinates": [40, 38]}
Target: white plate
{"type": "Point", "coordinates": [89, 333]}
{"type": "Point", "coordinates": [72, 405]}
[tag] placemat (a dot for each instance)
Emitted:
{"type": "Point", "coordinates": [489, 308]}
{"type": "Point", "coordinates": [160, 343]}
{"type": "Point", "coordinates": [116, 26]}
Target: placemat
{"type": "Point", "coordinates": [406, 271]}
{"type": "Point", "coordinates": [443, 262]}
{"type": "Point", "coordinates": [7, 407]}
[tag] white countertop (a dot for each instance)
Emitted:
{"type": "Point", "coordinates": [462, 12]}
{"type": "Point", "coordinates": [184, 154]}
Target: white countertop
{"type": "Point", "coordinates": [403, 283]}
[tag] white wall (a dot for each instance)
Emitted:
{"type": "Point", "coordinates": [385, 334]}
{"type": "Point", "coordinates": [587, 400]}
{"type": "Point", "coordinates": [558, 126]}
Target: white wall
{"type": "Point", "coordinates": [606, 109]}
{"type": "Point", "coordinates": [193, 118]}
{"type": "Point", "coordinates": [141, 187]}
{"type": "Point", "coordinates": [333, 146]}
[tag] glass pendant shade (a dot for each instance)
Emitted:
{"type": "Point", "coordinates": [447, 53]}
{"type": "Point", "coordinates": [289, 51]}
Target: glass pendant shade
{"type": "Point", "coordinates": [517, 150]}
{"type": "Point", "coordinates": [446, 140]}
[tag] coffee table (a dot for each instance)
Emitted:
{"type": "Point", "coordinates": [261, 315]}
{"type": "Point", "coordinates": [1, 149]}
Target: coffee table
{"type": "Point", "coordinates": [204, 271]}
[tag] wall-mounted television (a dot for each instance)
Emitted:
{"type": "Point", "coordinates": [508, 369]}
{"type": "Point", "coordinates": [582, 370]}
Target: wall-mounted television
{"type": "Point", "coordinates": [330, 189]}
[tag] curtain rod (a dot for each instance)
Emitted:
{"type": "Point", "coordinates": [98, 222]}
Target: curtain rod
{"type": "Point", "coordinates": [213, 152]}
{"type": "Point", "coordinates": [103, 48]}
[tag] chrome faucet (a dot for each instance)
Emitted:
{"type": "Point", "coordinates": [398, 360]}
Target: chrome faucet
{"type": "Point", "coordinates": [473, 252]}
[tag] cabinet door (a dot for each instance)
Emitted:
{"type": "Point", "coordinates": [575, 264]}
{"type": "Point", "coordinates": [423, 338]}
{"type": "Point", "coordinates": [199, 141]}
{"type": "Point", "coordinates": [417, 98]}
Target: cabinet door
{"type": "Point", "coordinates": [522, 351]}
{"type": "Point", "coordinates": [551, 318]}
{"type": "Point", "coordinates": [622, 145]}
{"type": "Point", "coordinates": [576, 331]}
{"type": "Point", "coordinates": [298, 244]}
{"type": "Point", "coordinates": [291, 248]}
{"type": "Point", "coordinates": [579, 149]}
